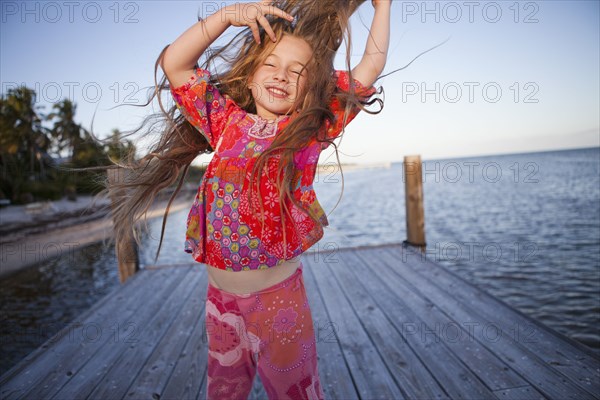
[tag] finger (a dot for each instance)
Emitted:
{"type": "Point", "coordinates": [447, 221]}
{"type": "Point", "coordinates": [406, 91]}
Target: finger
{"type": "Point", "coordinates": [254, 27]}
{"type": "Point", "coordinates": [278, 12]}
{"type": "Point", "coordinates": [265, 24]}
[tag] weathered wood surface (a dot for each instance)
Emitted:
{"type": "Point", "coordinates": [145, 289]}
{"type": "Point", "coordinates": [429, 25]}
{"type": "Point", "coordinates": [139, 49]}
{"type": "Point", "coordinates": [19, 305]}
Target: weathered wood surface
{"type": "Point", "coordinates": [413, 200]}
{"type": "Point", "coordinates": [390, 324]}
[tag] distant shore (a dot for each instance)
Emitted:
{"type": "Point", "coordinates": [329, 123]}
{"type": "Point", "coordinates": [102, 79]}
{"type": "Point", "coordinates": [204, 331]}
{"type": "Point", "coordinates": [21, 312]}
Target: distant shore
{"type": "Point", "coordinates": [333, 167]}
{"type": "Point", "coordinates": [30, 235]}
{"type": "Point", "coordinates": [36, 232]}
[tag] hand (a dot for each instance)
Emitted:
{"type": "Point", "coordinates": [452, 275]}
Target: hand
{"type": "Point", "coordinates": [252, 14]}
{"type": "Point", "coordinates": [378, 3]}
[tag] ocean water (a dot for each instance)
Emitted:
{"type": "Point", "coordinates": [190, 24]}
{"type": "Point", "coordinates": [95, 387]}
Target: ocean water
{"type": "Point", "coordinates": [523, 227]}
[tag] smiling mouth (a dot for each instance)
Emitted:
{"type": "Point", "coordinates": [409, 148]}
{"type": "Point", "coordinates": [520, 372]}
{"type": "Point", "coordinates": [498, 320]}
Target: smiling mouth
{"type": "Point", "coordinates": [278, 93]}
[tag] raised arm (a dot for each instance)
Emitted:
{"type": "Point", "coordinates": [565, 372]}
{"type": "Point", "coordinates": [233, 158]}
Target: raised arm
{"type": "Point", "coordinates": [376, 50]}
{"type": "Point", "coordinates": [182, 55]}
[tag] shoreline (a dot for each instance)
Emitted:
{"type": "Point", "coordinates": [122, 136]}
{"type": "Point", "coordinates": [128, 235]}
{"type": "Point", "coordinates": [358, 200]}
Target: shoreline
{"type": "Point", "coordinates": [61, 232]}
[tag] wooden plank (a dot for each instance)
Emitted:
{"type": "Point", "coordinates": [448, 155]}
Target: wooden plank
{"type": "Point", "coordinates": [92, 373]}
{"type": "Point", "coordinates": [411, 315]}
{"type": "Point", "coordinates": [479, 310]}
{"type": "Point", "coordinates": [121, 376]}
{"type": "Point", "coordinates": [566, 355]}
{"type": "Point", "coordinates": [366, 317]}
{"type": "Point", "coordinates": [58, 359]}
{"type": "Point", "coordinates": [376, 303]}
{"type": "Point", "coordinates": [519, 393]}
{"type": "Point", "coordinates": [335, 376]}
{"type": "Point", "coordinates": [369, 373]}
{"type": "Point", "coordinates": [154, 374]}
{"type": "Point", "coordinates": [402, 363]}
{"type": "Point", "coordinates": [547, 339]}
{"type": "Point", "coordinates": [202, 393]}
{"type": "Point", "coordinates": [188, 380]}
{"type": "Point", "coordinates": [54, 341]}
{"type": "Point", "coordinates": [475, 359]}
{"type": "Point", "coordinates": [189, 373]}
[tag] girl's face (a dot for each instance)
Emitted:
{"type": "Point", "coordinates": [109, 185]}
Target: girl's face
{"type": "Point", "coordinates": [280, 79]}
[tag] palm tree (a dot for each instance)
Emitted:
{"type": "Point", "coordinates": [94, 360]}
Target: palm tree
{"type": "Point", "coordinates": [67, 134]}
{"type": "Point", "coordinates": [118, 149]}
{"type": "Point", "coordinates": [23, 140]}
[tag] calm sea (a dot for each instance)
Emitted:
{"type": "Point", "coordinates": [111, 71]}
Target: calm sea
{"type": "Point", "coordinates": [523, 227]}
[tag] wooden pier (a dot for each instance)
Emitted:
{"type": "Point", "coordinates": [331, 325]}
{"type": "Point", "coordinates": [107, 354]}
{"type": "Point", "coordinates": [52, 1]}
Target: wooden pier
{"type": "Point", "coordinates": [390, 324]}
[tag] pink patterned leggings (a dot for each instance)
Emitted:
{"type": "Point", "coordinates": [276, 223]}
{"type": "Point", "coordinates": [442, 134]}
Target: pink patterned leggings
{"type": "Point", "coordinates": [271, 329]}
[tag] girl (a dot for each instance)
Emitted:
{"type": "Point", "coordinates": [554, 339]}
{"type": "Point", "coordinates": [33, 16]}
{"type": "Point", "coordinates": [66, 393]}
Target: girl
{"type": "Point", "coordinates": [267, 117]}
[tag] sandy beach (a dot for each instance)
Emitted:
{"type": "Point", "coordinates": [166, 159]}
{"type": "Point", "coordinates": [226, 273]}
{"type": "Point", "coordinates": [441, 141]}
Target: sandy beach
{"type": "Point", "coordinates": [33, 233]}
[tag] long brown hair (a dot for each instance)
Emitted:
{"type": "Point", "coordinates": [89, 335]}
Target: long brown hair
{"type": "Point", "coordinates": [324, 25]}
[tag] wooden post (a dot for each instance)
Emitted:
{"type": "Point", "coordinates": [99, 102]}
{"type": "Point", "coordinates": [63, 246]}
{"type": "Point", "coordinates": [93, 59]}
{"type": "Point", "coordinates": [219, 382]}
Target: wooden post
{"type": "Point", "coordinates": [413, 189]}
{"type": "Point", "coordinates": [126, 249]}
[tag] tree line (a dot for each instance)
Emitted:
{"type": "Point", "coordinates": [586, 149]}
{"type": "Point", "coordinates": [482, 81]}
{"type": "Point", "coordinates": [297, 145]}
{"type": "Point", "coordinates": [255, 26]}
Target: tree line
{"type": "Point", "coordinates": [37, 149]}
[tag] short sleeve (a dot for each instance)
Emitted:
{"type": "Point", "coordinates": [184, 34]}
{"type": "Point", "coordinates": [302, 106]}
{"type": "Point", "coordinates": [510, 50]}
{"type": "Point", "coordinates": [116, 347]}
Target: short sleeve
{"type": "Point", "coordinates": [202, 105]}
{"type": "Point", "coordinates": [342, 79]}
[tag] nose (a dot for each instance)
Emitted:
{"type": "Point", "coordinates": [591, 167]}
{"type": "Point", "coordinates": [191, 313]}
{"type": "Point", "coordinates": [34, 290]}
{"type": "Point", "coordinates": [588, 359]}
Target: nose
{"type": "Point", "coordinates": [280, 75]}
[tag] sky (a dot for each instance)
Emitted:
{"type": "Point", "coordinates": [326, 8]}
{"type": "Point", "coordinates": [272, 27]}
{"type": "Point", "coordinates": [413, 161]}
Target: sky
{"type": "Point", "coordinates": [513, 77]}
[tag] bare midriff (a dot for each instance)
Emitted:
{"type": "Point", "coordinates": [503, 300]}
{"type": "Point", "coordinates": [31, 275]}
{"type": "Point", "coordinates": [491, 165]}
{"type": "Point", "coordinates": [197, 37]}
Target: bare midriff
{"type": "Point", "coordinates": [245, 282]}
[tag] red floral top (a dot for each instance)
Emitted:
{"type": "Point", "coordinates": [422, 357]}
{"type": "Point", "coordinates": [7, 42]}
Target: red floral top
{"type": "Point", "coordinates": [221, 231]}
